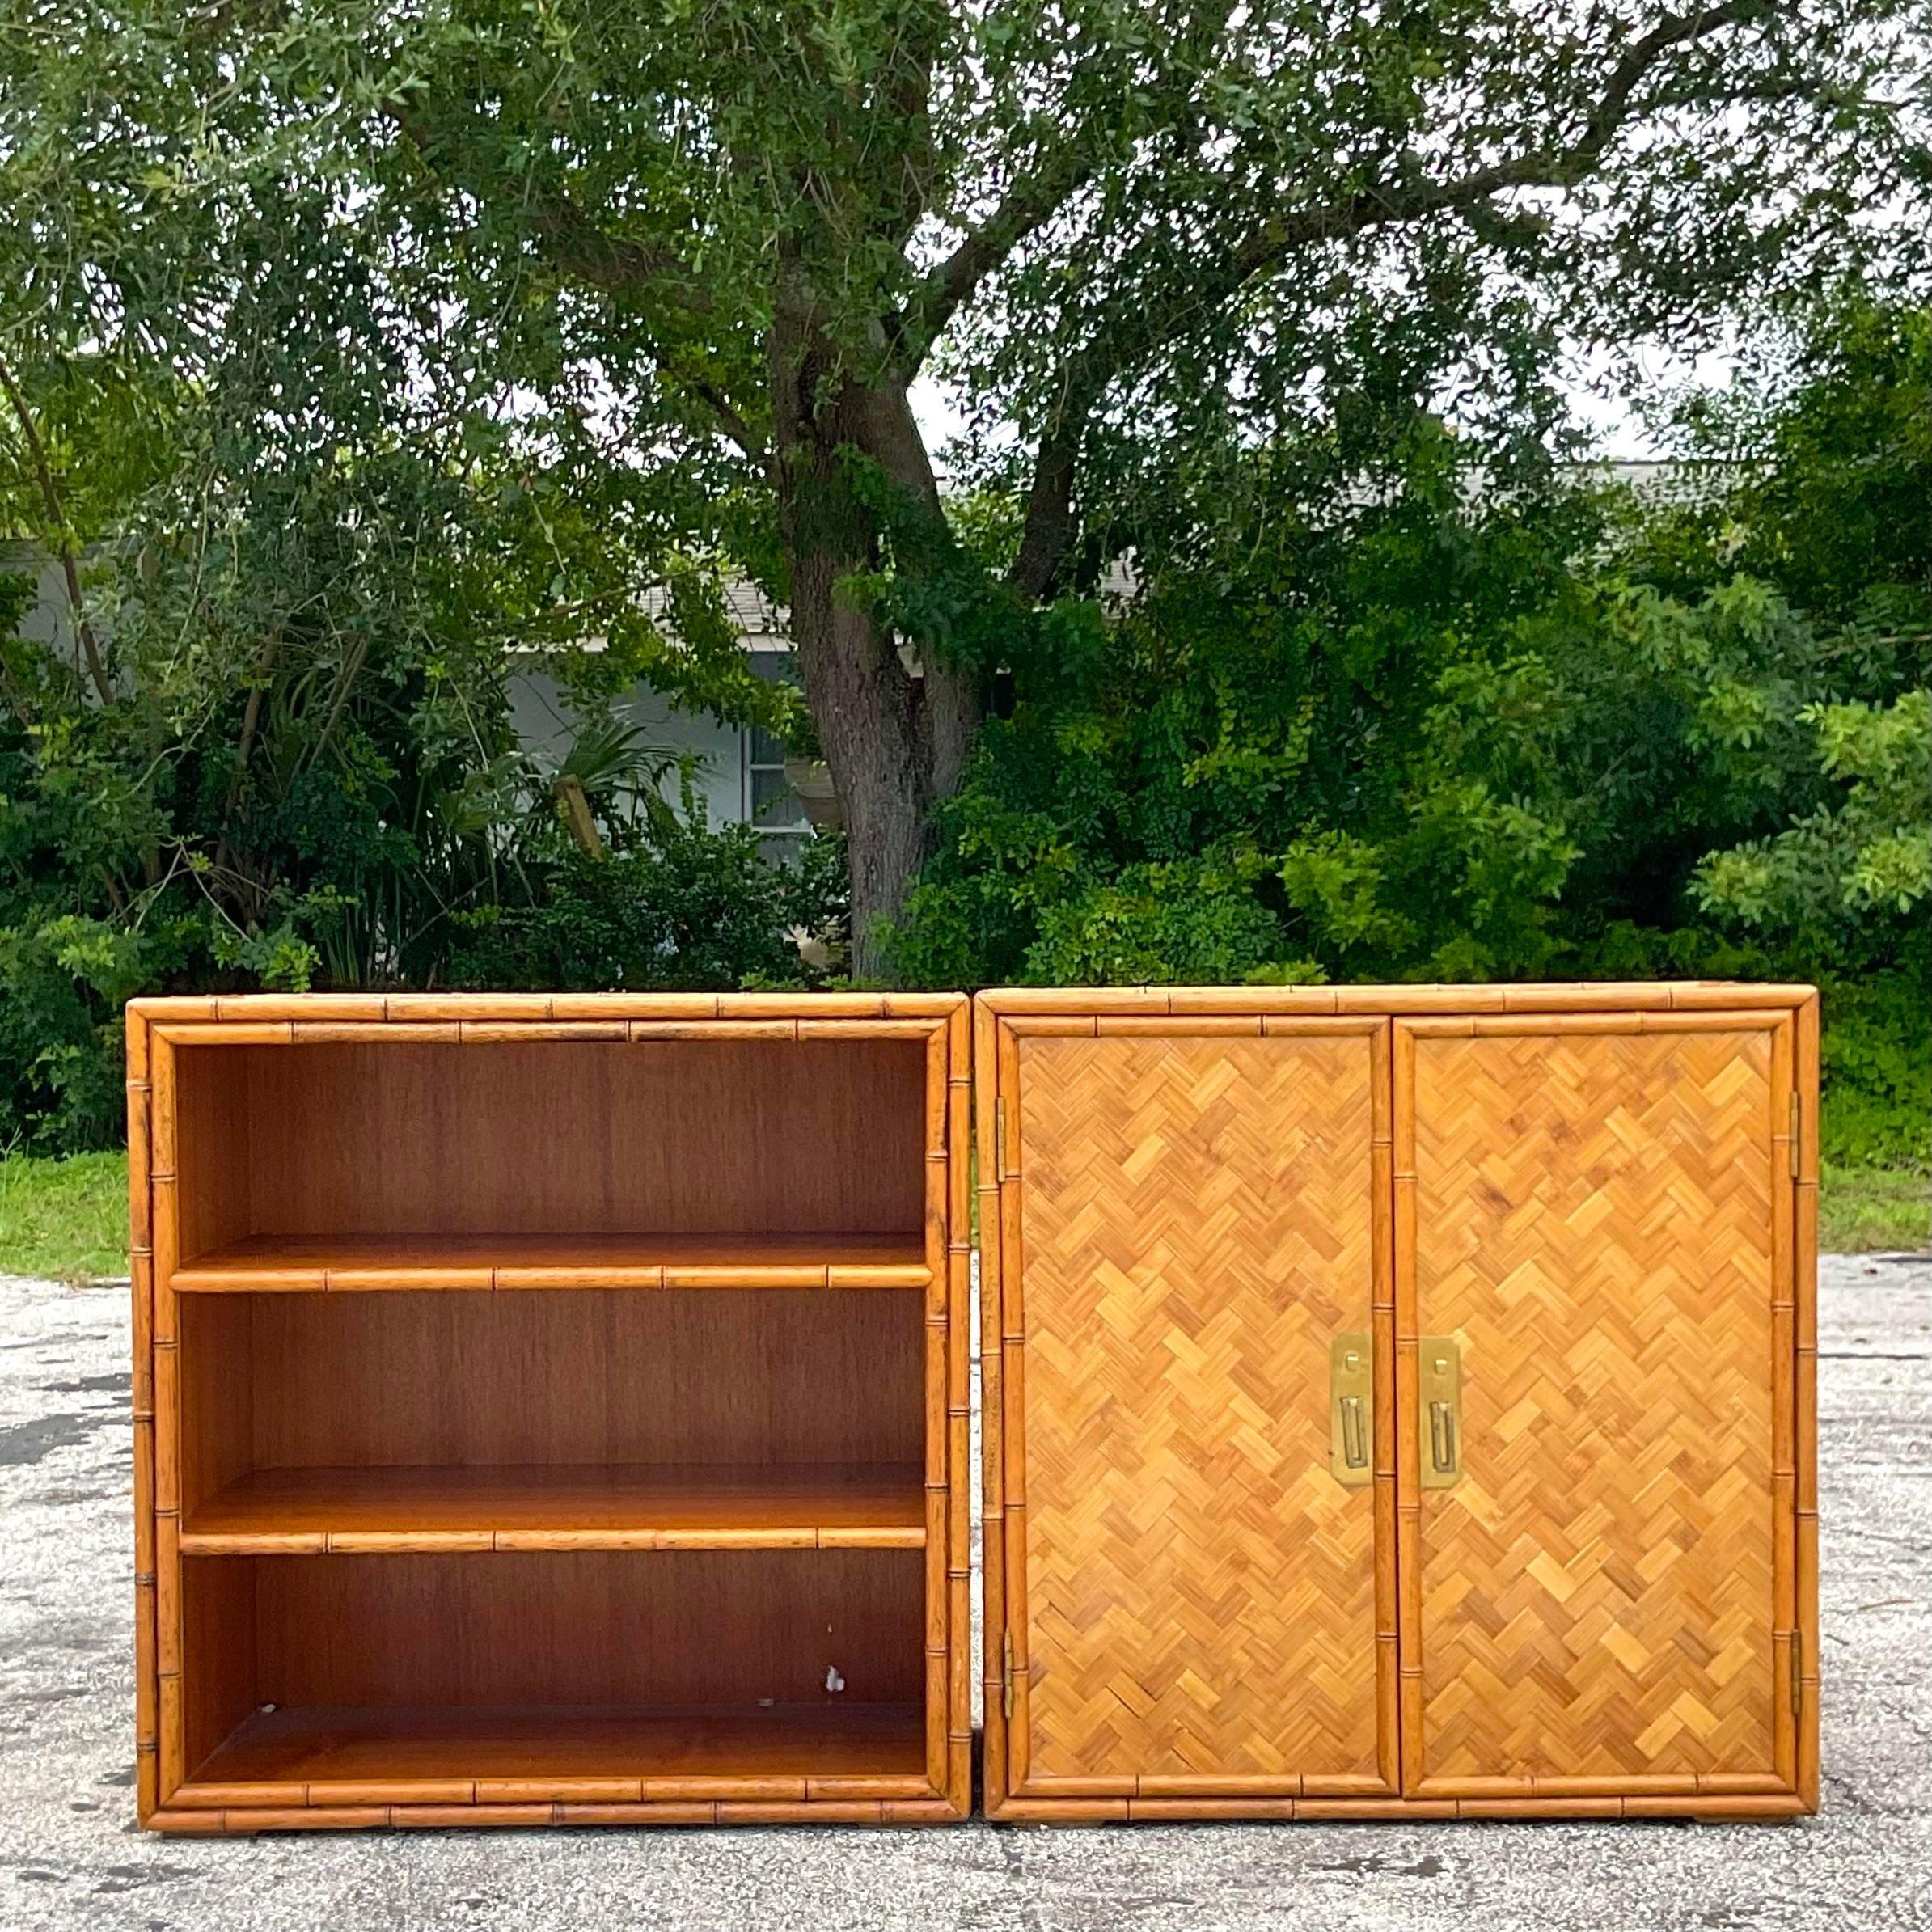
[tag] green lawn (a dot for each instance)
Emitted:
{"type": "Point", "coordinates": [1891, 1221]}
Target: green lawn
{"type": "Point", "coordinates": [65, 1219]}
{"type": "Point", "coordinates": [68, 1219]}
{"type": "Point", "coordinates": [1864, 1209]}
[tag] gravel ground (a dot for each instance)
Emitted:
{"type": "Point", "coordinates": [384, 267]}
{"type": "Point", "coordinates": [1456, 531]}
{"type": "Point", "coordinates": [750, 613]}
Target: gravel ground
{"type": "Point", "coordinates": [71, 1854]}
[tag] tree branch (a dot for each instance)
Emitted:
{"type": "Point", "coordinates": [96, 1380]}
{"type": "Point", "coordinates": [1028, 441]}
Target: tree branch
{"type": "Point", "coordinates": [620, 266]}
{"type": "Point", "coordinates": [633, 271]}
{"type": "Point", "coordinates": [730, 421]}
{"type": "Point", "coordinates": [1035, 198]}
{"type": "Point", "coordinates": [1027, 203]}
{"type": "Point", "coordinates": [1050, 526]}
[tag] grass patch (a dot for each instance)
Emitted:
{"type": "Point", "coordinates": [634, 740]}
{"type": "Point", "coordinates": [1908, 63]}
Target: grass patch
{"type": "Point", "coordinates": [1861, 1210]}
{"type": "Point", "coordinates": [64, 1219]}
{"type": "Point", "coordinates": [67, 1221]}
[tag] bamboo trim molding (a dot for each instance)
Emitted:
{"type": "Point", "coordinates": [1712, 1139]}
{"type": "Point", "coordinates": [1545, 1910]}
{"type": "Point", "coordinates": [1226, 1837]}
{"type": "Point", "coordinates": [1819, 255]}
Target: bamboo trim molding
{"type": "Point", "coordinates": [372, 1009]}
{"type": "Point", "coordinates": [1579, 997]}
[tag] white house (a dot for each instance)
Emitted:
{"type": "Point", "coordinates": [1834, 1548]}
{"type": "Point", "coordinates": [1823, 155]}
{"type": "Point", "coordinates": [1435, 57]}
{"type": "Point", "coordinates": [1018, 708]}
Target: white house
{"type": "Point", "coordinates": [738, 774]}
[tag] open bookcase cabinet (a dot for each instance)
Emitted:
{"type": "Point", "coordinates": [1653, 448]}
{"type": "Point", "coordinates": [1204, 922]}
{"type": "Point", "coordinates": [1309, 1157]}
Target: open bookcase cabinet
{"type": "Point", "coordinates": [550, 1409]}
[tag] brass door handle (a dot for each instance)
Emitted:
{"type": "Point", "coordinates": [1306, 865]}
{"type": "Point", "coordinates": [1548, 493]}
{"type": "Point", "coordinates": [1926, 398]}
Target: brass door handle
{"type": "Point", "coordinates": [1352, 1407]}
{"type": "Point", "coordinates": [1439, 1384]}
{"type": "Point", "coordinates": [1355, 1440]}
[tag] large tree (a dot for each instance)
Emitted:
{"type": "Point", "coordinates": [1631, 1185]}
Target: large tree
{"type": "Point", "coordinates": [686, 259]}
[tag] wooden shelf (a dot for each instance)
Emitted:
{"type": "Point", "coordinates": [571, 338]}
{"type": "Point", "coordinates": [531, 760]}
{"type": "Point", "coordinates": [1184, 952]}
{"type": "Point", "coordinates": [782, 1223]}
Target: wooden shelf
{"type": "Point", "coordinates": [578, 1506]}
{"type": "Point", "coordinates": [477, 1753]}
{"type": "Point", "coordinates": [281, 1261]}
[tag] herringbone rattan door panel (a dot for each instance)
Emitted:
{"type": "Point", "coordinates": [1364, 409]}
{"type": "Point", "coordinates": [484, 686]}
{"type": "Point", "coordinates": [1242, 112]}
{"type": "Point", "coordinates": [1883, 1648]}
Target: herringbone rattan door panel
{"type": "Point", "coordinates": [1591, 1218]}
{"type": "Point", "coordinates": [1196, 1225]}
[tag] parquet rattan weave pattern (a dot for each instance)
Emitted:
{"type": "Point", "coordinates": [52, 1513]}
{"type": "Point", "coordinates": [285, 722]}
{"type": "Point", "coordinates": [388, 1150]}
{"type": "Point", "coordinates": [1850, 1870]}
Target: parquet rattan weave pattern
{"type": "Point", "coordinates": [1199, 1589]}
{"type": "Point", "coordinates": [1593, 1217]}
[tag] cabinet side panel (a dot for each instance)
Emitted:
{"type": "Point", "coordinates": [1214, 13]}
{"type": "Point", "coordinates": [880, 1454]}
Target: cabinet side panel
{"type": "Point", "coordinates": [214, 1130]}
{"type": "Point", "coordinates": [1594, 1228]}
{"type": "Point", "coordinates": [1200, 1593]}
{"type": "Point", "coordinates": [218, 1674]}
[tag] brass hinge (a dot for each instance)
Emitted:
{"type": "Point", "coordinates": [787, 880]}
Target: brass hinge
{"type": "Point", "coordinates": [1006, 1695]}
{"type": "Point", "coordinates": [1796, 1671]}
{"type": "Point", "coordinates": [1797, 1116]}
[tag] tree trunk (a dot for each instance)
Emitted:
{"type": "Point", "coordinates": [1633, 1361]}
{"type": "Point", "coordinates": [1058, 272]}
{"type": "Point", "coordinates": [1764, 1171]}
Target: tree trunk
{"type": "Point", "coordinates": [863, 704]}
{"type": "Point", "coordinates": [896, 742]}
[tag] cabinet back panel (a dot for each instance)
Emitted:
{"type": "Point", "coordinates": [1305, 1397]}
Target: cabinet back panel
{"type": "Point", "coordinates": [670, 1627]}
{"type": "Point", "coordinates": [706, 1137]}
{"type": "Point", "coordinates": [710, 1374]}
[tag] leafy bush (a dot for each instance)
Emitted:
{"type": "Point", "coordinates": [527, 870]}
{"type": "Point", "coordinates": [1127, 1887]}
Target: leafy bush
{"type": "Point", "coordinates": [1878, 1068]}
{"type": "Point", "coordinates": [419, 847]}
{"type": "Point", "coordinates": [1430, 763]}
{"type": "Point", "coordinates": [692, 909]}
{"type": "Point", "coordinates": [1448, 731]}
{"type": "Point", "coordinates": [1866, 858]}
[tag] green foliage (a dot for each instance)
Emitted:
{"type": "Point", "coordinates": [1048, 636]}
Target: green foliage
{"type": "Point", "coordinates": [416, 331]}
{"type": "Point", "coordinates": [65, 1219]}
{"type": "Point", "coordinates": [687, 910]}
{"type": "Point", "coordinates": [1191, 923]}
{"type": "Point", "coordinates": [1829, 426]}
{"type": "Point", "coordinates": [1861, 861]}
{"type": "Point", "coordinates": [1878, 1067]}
{"type": "Point", "coordinates": [354, 356]}
{"type": "Point", "coordinates": [60, 1036]}
{"type": "Point", "coordinates": [1457, 732]}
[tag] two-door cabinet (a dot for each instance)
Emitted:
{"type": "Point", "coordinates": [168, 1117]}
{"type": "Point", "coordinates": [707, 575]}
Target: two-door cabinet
{"type": "Point", "coordinates": [551, 1410]}
{"type": "Point", "coordinates": [1400, 1401]}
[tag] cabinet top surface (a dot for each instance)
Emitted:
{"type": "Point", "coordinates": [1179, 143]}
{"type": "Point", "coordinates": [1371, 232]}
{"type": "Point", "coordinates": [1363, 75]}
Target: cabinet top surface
{"type": "Point", "coordinates": [1551, 996]}
{"type": "Point", "coordinates": [934, 1008]}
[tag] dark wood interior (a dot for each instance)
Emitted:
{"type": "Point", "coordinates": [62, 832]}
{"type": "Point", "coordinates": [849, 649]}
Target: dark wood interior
{"type": "Point", "coordinates": [562, 1664]}
{"type": "Point", "coordinates": [668, 1137]}
{"type": "Point", "coordinates": [556, 1494]}
{"type": "Point", "coordinates": [685, 1375]}
{"type": "Point", "coordinates": [617, 1410]}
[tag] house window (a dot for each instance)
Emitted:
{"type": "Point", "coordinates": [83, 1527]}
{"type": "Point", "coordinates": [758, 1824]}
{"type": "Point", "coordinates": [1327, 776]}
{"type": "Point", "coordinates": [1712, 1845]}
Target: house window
{"type": "Point", "coordinates": [770, 802]}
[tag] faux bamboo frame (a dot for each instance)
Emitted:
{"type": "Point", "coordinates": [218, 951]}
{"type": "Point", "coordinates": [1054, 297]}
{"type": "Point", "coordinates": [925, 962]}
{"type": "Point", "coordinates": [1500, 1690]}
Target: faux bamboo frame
{"type": "Point", "coordinates": [157, 1029]}
{"type": "Point", "coordinates": [1402, 1015]}
{"type": "Point", "coordinates": [972, 1062]}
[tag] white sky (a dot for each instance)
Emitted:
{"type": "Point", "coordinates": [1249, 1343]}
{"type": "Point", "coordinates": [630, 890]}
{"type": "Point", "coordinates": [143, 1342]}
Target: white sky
{"type": "Point", "coordinates": [1599, 398]}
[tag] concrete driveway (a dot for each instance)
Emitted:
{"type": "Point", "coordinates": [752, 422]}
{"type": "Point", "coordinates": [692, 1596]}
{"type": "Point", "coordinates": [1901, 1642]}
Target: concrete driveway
{"type": "Point", "coordinates": [71, 1854]}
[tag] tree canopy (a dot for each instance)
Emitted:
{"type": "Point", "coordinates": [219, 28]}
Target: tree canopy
{"type": "Point", "coordinates": [546, 305]}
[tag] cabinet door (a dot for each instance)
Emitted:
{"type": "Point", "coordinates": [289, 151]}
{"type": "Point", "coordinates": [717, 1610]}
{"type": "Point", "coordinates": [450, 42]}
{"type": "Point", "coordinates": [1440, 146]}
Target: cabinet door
{"type": "Point", "coordinates": [1593, 1234]}
{"type": "Point", "coordinates": [1193, 1215]}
